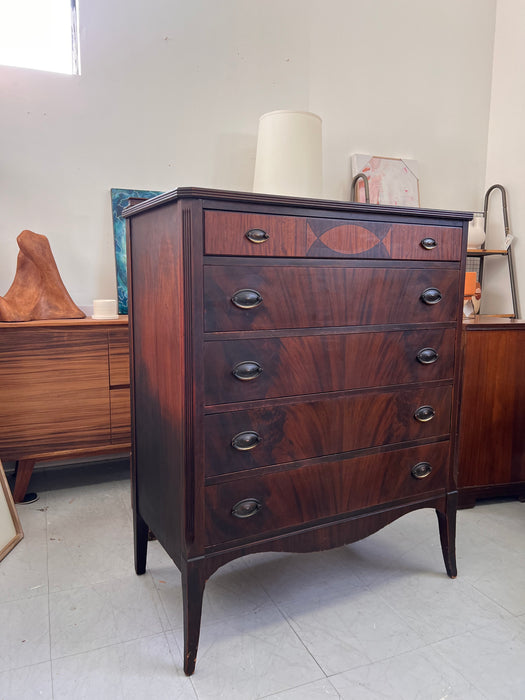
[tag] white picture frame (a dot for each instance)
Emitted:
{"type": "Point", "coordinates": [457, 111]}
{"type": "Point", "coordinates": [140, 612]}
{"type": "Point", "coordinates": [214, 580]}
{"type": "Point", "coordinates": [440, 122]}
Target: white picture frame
{"type": "Point", "coordinates": [10, 528]}
{"type": "Point", "coordinates": [391, 181]}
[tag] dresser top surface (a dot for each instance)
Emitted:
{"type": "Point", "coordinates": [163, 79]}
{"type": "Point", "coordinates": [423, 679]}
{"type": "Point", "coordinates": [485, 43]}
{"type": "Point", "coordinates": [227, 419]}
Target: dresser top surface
{"type": "Point", "coordinates": [493, 323]}
{"type": "Point", "coordinates": [252, 198]}
{"type": "Point", "coordinates": [86, 322]}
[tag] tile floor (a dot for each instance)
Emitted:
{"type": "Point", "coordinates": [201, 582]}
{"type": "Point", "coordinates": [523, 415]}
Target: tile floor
{"type": "Point", "coordinates": [377, 619]}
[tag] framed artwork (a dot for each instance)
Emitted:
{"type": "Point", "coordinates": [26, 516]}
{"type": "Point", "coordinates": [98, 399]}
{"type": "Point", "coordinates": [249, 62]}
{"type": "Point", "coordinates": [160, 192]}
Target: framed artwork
{"type": "Point", "coordinates": [391, 181]}
{"type": "Point", "coordinates": [119, 201]}
{"type": "Point", "coordinates": [10, 527]}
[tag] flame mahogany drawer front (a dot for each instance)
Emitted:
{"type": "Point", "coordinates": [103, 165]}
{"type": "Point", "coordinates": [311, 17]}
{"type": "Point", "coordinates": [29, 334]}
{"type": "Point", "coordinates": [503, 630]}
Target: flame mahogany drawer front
{"type": "Point", "coordinates": [233, 233]}
{"type": "Point", "coordinates": [262, 504]}
{"type": "Point", "coordinates": [251, 369]}
{"type": "Point", "coordinates": [290, 432]}
{"type": "Point", "coordinates": [295, 369]}
{"type": "Point", "coordinates": [278, 297]}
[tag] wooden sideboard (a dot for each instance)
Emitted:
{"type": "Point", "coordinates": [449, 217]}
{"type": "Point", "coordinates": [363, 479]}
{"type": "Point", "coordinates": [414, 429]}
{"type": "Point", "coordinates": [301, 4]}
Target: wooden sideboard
{"type": "Point", "coordinates": [294, 375]}
{"type": "Point", "coordinates": [492, 429]}
{"type": "Point", "coordinates": [64, 392]}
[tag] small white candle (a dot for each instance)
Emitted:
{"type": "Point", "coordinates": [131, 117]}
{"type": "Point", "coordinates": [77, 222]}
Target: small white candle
{"type": "Point", "coordinates": [104, 309]}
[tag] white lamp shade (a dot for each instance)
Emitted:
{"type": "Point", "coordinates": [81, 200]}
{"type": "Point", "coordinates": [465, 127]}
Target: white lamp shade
{"type": "Point", "coordinates": [289, 154]}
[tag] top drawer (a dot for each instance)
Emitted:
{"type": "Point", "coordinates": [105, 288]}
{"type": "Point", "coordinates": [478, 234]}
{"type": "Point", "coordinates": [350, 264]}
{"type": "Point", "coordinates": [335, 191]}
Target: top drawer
{"type": "Point", "coordinates": [235, 233]}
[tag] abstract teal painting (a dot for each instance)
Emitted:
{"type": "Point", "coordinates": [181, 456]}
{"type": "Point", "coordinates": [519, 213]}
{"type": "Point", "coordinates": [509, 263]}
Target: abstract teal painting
{"type": "Point", "coordinates": [119, 201]}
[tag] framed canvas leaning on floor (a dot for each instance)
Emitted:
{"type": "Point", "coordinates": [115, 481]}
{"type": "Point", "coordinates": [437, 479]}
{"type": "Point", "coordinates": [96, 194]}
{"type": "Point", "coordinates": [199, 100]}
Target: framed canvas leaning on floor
{"type": "Point", "coordinates": [10, 527]}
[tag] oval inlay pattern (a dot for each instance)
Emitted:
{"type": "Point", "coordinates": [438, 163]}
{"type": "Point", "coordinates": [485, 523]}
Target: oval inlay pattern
{"type": "Point", "coordinates": [349, 239]}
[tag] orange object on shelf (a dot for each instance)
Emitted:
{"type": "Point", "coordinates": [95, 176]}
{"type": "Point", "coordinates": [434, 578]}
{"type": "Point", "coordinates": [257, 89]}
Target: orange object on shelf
{"type": "Point", "coordinates": [470, 284]}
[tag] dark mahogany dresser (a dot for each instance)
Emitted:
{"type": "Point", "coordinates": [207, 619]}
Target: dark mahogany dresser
{"type": "Point", "coordinates": [294, 375]}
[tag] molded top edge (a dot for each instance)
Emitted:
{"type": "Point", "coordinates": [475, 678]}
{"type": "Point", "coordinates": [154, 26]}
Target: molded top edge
{"type": "Point", "coordinates": [258, 198]}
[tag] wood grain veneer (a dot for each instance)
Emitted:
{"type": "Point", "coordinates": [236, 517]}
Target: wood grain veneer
{"type": "Point", "coordinates": [492, 444]}
{"type": "Point", "coordinates": [290, 364]}
{"type": "Point", "coordinates": [349, 296]}
{"type": "Point", "coordinates": [56, 394]}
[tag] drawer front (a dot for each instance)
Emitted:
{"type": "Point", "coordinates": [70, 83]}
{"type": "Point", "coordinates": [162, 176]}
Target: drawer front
{"type": "Point", "coordinates": [234, 233]}
{"type": "Point", "coordinates": [239, 440]}
{"type": "Point", "coordinates": [319, 297]}
{"type": "Point", "coordinates": [55, 393]}
{"type": "Point", "coordinates": [120, 402]}
{"type": "Point", "coordinates": [321, 491]}
{"type": "Point", "coordinates": [118, 357]}
{"type": "Point", "coordinates": [296, 365]}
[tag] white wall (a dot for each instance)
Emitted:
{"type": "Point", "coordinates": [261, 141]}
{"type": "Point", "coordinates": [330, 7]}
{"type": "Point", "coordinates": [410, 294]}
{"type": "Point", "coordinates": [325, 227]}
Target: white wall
{"type": "Point", "coordinates": [171, 92]}
{"type": "Point", "coordinates": [506, 156]}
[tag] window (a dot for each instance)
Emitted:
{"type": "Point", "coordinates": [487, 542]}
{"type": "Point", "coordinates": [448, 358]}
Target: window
{"type": "Point", "coordinates": [41, 34]}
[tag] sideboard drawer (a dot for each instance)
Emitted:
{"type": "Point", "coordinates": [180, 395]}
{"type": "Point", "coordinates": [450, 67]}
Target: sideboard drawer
{"type": "Point", "coordinates": [54, 389]}
{"type": "Point", "coordinates": [235, 233]}
{"type": "Point", "coordinates": [120, 411]}
{"type": "Point", "coordinates": [119, 357]}
{"type": "Point", "coordinates": [265, 297]}
{"type": "Point", "coordinates": [295, 365]}
{"type": "Point", "coordinates": [239, 440]}
{"type": "Point", "coordinates": [287, 499]}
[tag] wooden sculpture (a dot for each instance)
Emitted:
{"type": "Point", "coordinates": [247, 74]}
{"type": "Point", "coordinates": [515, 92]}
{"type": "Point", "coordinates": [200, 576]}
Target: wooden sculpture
{"type": "Point", "coordinates": [37, 291]}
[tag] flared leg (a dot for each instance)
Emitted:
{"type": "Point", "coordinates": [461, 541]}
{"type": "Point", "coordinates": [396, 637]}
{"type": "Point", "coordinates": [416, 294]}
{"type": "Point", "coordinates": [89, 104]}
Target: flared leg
{"type": "Point", "coordinates": [140, 534]}
{"type": "Point", "coordinates": [193, 582]}
{"type": "Point", "coordinates": [447, 533]}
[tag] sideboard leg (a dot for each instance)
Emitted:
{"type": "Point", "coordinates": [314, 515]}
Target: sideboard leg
{"type": "Point", "coordinates": [140, 535]}
{"type": "Point", "coordinates": [24, 470]}
{"type": "Point", "coordinates": [193, 582]}
{"type": "Point", "coordinates": [447, 533]}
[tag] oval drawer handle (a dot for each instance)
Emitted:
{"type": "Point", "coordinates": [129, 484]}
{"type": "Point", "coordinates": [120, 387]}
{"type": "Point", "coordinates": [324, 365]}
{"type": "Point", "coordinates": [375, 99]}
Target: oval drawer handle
{"type": "Point", "coordinates": [421, 470]}
{"type": "Point", "coordinates": [428, 243]}
{"type": "Point", "coordinates": [431, 296]}
{"type": "Point", "coordinates": [427, 356]}
{"type": "Point", "coordinates": [246, 508]}
{"type": "Point", "coordinates": [247, 298]}
{"type": "Point", "coordinates": [246, 440]}
{"type": "Point", "coordinates": [246, 371]}
{"type": "Point", "coordinates": [257, 235]}
{"type": "Point", "coordinates": [424, 414]}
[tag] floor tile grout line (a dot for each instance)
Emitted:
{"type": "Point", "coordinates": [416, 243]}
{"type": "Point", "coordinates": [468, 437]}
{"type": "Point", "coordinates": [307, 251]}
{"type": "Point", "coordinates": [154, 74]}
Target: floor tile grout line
{"type": "Point", "coordinates": [51, 670]}
{"type": "Point", "coordinates": [297, 687]}
{"type": "Point", "coordinates": [108, 646]}
{"type": "Point", "coordinates": [285, 618]}
{"type": "Point", "coordinates": [494, 602]}
{"type": "Point", "coordinates": [473, 629]}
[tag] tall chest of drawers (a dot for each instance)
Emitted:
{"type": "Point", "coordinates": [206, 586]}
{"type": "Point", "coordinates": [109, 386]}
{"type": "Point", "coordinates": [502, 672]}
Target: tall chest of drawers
{"type": "Point", "coordinates": [294, 375]}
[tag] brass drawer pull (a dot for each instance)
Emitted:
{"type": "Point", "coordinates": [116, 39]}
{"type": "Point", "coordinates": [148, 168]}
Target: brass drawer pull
{"type": "Point", "coordinates": [424, 414]}
{"type": "Point", "coordinates": [431, 296]}
{"type": "Point", "coordinates": [246, 440]}
{"type": "Point", "coordinates": [428, 243]}
{"type": "Point", "coordinates": [421, 470]}
{"type": "Point", "coordinates": [246, 508]}
{"type": "Point", "coordinates": [247, 298]}
{"type": "Point", "coordinates": [246, 371]}
{"type": "Point", "coordinates": [257, 235]}
{"type": "Point", "coordinates": [427, 356]}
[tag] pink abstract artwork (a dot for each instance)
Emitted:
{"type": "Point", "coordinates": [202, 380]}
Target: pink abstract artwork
{"type": "Point", "coordinates": [391, 181]}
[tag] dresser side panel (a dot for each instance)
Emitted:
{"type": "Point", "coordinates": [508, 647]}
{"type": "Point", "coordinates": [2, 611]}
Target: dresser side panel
{"type": "Point", "coordinates": [158, 379]}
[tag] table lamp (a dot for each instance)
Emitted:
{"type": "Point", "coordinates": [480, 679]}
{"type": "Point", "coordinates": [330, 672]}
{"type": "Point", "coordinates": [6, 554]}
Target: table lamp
{"type": "Point", "coordinates": [289, 154]}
